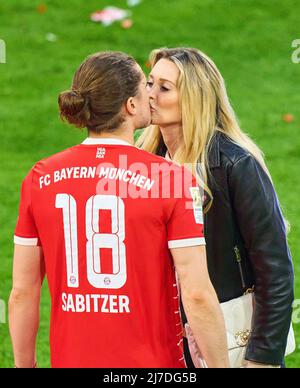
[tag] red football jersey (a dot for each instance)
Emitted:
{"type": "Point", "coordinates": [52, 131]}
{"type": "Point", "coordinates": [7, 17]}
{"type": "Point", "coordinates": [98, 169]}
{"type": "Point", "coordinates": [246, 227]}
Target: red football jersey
{"type": "Point", "coordinates": [106, 214]}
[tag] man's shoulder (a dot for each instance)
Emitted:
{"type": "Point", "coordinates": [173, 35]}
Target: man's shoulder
{"type": "Point", "coordinates": [55, 159]}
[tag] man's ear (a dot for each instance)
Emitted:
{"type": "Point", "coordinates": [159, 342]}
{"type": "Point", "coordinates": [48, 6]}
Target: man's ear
{"type": "Point", "coordinates": [130, 106]}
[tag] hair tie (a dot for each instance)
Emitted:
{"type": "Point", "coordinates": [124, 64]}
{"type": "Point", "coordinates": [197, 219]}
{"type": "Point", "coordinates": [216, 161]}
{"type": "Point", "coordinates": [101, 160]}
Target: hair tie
{"type": "Point", "coordinates": [76, 93]}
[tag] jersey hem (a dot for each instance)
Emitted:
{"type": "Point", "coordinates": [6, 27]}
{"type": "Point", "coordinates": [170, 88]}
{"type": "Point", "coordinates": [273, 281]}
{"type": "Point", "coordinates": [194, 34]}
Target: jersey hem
{"type": "Point", "coordinates": [188, 242]}
{"type": "Point", "coordinates": [26, 241]}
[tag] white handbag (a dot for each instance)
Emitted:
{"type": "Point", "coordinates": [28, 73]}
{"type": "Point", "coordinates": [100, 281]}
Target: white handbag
{"type": "Point", "coordinates": [238, 314]}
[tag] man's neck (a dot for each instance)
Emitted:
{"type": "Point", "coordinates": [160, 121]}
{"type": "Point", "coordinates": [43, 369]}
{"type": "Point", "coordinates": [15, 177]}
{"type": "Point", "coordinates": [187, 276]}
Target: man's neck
{"type": "Point", "coordinates": [121, 134]}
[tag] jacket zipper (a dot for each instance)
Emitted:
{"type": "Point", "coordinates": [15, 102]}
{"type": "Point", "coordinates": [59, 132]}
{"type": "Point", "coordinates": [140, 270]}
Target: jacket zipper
{"type": "Point", "coordinates": [239, 261]}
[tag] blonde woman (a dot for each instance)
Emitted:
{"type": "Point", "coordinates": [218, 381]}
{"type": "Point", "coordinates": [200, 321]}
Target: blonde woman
{"type": "Point", "coordinates": [193, 123]}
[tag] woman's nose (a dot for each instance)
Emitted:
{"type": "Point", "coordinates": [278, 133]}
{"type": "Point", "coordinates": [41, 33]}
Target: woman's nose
{"type": "Point", "coordinates": [151, 93]}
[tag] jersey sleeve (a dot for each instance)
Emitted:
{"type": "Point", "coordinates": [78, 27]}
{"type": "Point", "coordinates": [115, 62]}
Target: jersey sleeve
{"type": "Point", "coordinates": [26, 231]}
{"type": "Point", "coordinates": [185, 225]}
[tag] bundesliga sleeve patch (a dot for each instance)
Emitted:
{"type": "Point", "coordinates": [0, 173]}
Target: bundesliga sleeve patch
{"type": "Point", "coordinates": [197, 204]}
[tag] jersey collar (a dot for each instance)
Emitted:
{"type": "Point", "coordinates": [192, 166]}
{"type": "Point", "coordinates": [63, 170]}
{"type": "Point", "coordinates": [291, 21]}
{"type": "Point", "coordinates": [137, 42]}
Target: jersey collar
{"type": "Point", "coordinates": [107, 141]}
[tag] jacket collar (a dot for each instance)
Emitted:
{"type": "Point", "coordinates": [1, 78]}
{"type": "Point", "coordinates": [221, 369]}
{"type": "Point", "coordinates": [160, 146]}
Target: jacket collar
{"type": "Point", "coordinates": [214, 151]}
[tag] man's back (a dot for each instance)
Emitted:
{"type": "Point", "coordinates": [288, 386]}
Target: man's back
{"type": "Point", "coordinates": [104, 219]}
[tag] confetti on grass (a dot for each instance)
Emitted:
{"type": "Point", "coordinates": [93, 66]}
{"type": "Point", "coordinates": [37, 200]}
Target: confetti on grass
{"type": "Point", "coordinates": [109, 15]}
{"type": "Point", "coordinates": [288, 118]}
{"type": "Point", "coordinates": [127, 23]}
{"type": "Point", "coordinates": [51, 37]}
{"type": "Point", "coordinates": [41, 8]}
{"type": "Point", "coordinates": [133, 3]}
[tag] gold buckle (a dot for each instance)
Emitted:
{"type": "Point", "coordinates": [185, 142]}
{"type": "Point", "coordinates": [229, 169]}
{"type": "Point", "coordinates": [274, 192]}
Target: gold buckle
{"type": "Point", "coordinates": [249, 290]}
{"type": "Point", "coordinates": [242, 337]}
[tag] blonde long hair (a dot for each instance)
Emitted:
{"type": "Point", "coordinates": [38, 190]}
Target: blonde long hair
{"type": "Point", "coordinates": [205, 109]}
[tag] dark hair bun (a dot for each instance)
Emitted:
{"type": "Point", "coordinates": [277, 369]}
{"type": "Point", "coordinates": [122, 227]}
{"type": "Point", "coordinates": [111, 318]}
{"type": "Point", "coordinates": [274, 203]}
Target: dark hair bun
{"type": "Point", "coordinates": [74, 108]}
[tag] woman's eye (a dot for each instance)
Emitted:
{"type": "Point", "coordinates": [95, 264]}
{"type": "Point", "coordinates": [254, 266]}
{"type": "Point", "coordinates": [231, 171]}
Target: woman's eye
{"type": "Point", "coordinates": [162, 88]}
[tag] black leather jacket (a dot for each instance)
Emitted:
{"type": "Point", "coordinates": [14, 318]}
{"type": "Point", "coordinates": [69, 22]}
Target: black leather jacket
{"type": "Point", "coordinates": [247, 246]}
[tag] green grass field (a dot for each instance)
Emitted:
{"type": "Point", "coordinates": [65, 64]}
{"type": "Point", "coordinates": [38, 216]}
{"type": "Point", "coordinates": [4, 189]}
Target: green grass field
{"type": "Point", "coordinates": [249, 40]}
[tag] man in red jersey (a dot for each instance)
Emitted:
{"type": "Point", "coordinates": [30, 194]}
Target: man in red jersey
{"type": "Point", "coordinates": [107, 223]}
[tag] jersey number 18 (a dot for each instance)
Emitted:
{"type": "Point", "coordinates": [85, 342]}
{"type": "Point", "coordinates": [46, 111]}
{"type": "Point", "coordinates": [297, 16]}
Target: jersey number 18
{"type": "Point", "coordinates": [95, 240]}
